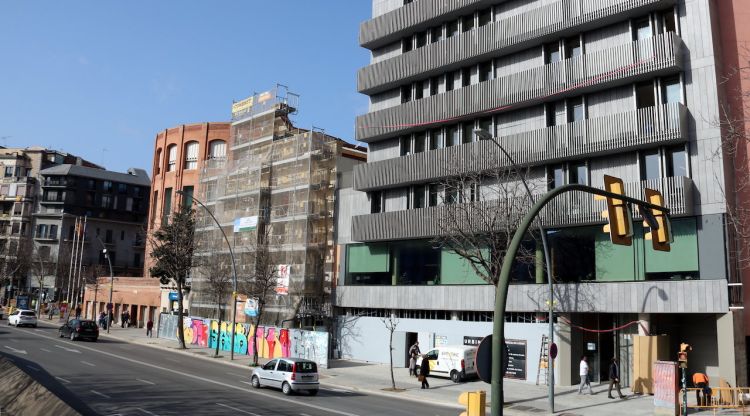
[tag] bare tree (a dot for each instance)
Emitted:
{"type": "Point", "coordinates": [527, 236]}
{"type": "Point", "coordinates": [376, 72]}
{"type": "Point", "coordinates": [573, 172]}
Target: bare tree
{"type": "Point", "coordinates": [263, 278]}
{"type": "Point", "coordinates": [216, 271]}
{"type": "Point", "coordinates": [15, 260]}
{"type": "Point", "coordinates": [480, 213]}
{"type": "Point", "coordinates": [391, 323]}
{"type": "Point", "coordinates": [41, 264]}
{"type": "Point", "coordinates": [172, 253]}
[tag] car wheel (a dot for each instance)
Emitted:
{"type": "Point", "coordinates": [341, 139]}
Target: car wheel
{"type": "Point", "coordinates": [286, 389]}
{"type": "Point", "coordinates": [313, 392]}
{"type": "Point", "coordinates": [33, 326]}
{"type": "Point", "coordinates": [72, 336]}
{"type": "Point", "coordinates": [255, 382]}
{"type": "Point", "coordinates": [455, 376]}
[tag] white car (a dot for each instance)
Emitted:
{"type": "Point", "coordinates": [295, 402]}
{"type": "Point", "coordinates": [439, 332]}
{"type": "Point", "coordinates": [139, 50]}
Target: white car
{"type": "Point", "coordinates": [22, 317]}
{"type": "Point", "coordinates": [288, 374]}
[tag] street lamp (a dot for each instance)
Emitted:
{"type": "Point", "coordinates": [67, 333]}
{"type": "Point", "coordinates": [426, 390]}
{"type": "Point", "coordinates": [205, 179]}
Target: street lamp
{"type": "Point", "coordinates": [485, 135]}
{"type": "Point", "coordinates": [111, 283]}
{"type": "Point", "coordinates": [234, 270]}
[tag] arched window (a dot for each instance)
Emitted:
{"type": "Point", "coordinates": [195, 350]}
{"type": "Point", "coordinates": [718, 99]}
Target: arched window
{"type": "Point", "coordinates": [191, 155]}
{"type": "Point", "coordinates": [172, 154]}
{"type": "Point", "coordinates": [217, 150]}
{"type": "Point", "coordinates": [157, 162]}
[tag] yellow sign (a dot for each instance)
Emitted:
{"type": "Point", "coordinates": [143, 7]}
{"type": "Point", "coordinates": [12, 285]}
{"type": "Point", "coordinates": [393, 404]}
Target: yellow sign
{"type": "Point", "coordinates": [242, 106]}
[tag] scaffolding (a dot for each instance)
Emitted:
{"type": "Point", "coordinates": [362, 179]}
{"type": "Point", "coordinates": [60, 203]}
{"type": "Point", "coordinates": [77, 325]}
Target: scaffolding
{"type": "Point", "coordinates": [282, 178]}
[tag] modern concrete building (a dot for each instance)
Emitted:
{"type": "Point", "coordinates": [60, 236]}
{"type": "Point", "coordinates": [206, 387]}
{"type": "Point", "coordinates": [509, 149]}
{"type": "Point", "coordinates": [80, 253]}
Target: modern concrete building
{"type": "Point", "coordinates": [574, 90]}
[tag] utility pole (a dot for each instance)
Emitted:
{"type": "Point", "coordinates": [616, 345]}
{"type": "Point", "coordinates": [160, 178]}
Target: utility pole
{"type": "Point", "coordinates": [110, 306]}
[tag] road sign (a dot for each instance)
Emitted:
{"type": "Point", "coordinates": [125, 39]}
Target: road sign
{"type": "Point", "coordinates": [483, 360]}
{"type": "Point", "coordinates": [553, 350]}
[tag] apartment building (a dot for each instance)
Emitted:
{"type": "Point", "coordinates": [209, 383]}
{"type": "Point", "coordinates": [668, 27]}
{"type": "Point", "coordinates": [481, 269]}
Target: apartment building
{"type": "Point", "coordinates": [275, 192]}
{"type": "Point", "coordinates": [573, 90]}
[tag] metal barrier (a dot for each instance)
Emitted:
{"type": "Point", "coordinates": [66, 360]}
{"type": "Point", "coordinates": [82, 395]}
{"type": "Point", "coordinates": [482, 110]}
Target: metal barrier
{"type": "Point", "coordinates": [721, 398]}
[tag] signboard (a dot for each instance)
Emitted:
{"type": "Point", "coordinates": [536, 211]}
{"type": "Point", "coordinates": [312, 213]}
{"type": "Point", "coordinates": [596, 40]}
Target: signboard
{"type": "Point", "coordinates": [245, 224]}
{"type": "Point", "coordinates": [251, 307]}
{"type": "Point", "coordinates": [174, 296]}
{"type": "Point", "coordinates": [473, 341]}
{"type": "Point", "coordinates": [22, 302]}
{"type": "Point", "coordinates": [516, 359]}
{"type": "Point", "coordinates": [441, 340]}
{"type": "Point", "coordinates": [666, 397]}
{"type": "Point", "coordinates": [591, 346]}
{"type": "Point", "coordinates": [283, 273]}
{"type": "Point", "coordinates": [553, 350]}
{"type": "Point", "coordinates": [242, 105]}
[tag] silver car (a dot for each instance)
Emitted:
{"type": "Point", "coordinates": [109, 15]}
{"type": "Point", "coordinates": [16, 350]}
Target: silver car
{"type": "Point", "coordinates": [289, 374]}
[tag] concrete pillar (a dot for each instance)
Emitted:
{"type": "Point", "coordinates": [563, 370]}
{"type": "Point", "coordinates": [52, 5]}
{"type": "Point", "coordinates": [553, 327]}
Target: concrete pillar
{"type": "Point", "coordinates": [644, 324]}
{"type": "Point", "coordinates": [564, 364]}
{"type": "Point", "coordinates": [728, 356]}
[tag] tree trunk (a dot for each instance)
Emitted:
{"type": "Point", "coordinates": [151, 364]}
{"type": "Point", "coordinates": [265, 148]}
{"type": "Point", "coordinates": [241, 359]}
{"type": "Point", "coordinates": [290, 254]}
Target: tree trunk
{"type": "Point", "coordinates": [255, 341]}
{"type": "Point", "coordinates": [180, 329]}
{"type": "Point", "coordinates": [390, 348]}
{"type": "Point", "coordinates": [218, 329]}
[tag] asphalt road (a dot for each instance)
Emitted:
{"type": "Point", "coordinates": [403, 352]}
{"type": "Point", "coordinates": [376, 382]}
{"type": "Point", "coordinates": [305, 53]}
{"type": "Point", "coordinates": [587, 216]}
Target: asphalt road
{"type": "Point", "coordinates": [111, 377]}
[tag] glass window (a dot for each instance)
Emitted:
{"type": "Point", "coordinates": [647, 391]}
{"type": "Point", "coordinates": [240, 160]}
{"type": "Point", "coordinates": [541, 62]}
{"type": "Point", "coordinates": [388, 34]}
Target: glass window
{"type": "Point", "coordinates": [217, 149]}
{"type": "Point", "coordinates": [452, 136]}
{"type": "Point", "coordinates": [677, 161]}
{"type": "Point", "coordinates": [579, 173]}
{"type": "Point", "coordinates": [575, 110]}
{"type": "Point", "coordinates": [436, 139]}
{"type": "Point", "coordinates": [187, 197]}
{"type": "Point", "coordinates": [485, 16]}
{"type": "Point", "coordinates": [167, 205]}
{"type": "Point", "coordinates": [406, 93]}
{"type": "Point", "coordinates": [284, 366]}
{"type": "Point", "coordinates": [434, 197]}
{"type": "Point", "coordinates": [108, 237]}
{"type": "Point", "coordinates": [434, 85]}
{"type": "Point", "coordinates": [467, 23]}
{"type": "Point", "coordinates": [376, 202]}
{"type": "Point", "coordinates": [421, 39]}
{"type": "Point", "coordinates": [451, 29]}
{"type": "Point", "coordinates": [642, 29]}
{"type": "Point", "coordinates": [437, 34]}
{"type": "Point", "coordinates": [451, 80]}
{"type": "Point", "coordinates": [405, 145]}
{"type": "Point", "coordinates": [556, 177]}
{"type": "Point", "coordinates": [485, 124]}
{"type": "Point", "coordinates": [107, 186]}
{"type": "Point", "coordinates": [485, 71]}
{"type": "Point", "coordinates": [644, 95]}
{"type": "Point", "coordinates": [122, 188]}
{"type": "Point", "coordinates": [573, 47]}
{"type": "Point", "coordinates": [419, 196]}
{"type": "Point", "coordinates": [406, 44]}
{"type": "Point", "coordinates": [419, 142]}
{"type": "Point", "coordinates": [671, 90]}
{"type": "Point", "coordinates": [271, 365]}
{"type": "Point", "coordinates": [552, 53]}
{"type": "Point", "coordinates": [419, 90]}
{"type": "Point", "coordinates": [468, 132]}
{"type": "Point", "coordinates": [650, 165]}
{"type": "Point", "coordinates": [172, 157]}
{"type": "Point", "coordinates": [8, 171]}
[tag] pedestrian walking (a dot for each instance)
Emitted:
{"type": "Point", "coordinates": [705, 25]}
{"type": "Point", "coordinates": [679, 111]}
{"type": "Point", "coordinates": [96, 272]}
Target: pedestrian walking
{"type": "Point", "coordinates": [124, 318]}
{"type": "Point", "coordinates": [78, 312]}
{"type": "Point", "coordinates": [583, 371]}
{"type": "Point", "coordinates": [424, 371]}
{"type": "Point", "coordinates": [149, 329]}
{"type": "Point", "coordinates": [414, 349]}
{"type": "Point", "coordinates": [110, 319]}
{"type": "Point", "coordinates": [614, 378]}
{"type": "Point", "coordinates": [412, 364]}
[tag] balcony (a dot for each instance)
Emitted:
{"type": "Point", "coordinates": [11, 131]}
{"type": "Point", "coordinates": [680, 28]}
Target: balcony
{"type": "Point", "coordinates": [512, 34]}
{"type": "Point", "coordinates": [609, 297]}
{"type": "Point", "coordinates": [569, 209]}
{"type": "Point", "coordinates": [658, 55]}
{"type": "Point", "coordinates": [653, 126]}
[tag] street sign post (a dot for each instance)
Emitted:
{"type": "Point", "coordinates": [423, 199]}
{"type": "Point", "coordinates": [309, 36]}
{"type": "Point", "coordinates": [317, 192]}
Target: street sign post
{"type": "Point", "coordinates": [553, 351]}
{"type": "Point", "coordinates": [483, 360]}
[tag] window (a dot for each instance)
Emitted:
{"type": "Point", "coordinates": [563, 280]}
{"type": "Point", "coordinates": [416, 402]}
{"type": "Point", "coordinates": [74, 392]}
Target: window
{"type": "Point", "coordinates": [107, 187]}
{"type": "Point", "coordinates": [451, 29]}
{"type": "Point", "coordinates": [451, 80]}
{"type": "Point", "coordinates": [436, 139]}
{"type": "Point", "coordinates": [671, 90]}
{"type": "Point", "coordinates": [8, 171]}
{"type": "Point", "coordinates": [578, 173]}
{"type": "Point", "coordinates": [437, 34]}
{"type": "Point", "coordinates": [106, 201]}
{"type": "Point", "coordinates": [406, 44]}
{"type": "Point", "coordinates": [485, 71]}
{"type": "Point", "coordinates": [108, 237]}
{"type": "Point", "coordinates": [485, 17]}
{"type": "Point", "coordinates": [452, 136]}
{"type": "Point", "coordinates": [644, 95]}
{"type": "Point", "coordinates": [217, 150]}
{"type": "Point", "coordinates": [91, 185]}
{"type": "Point", "coordinates": [187, 197]}
{"type": "Point", "coordinates": [485, 124]}
{"type": "Point", "coordinates": [677, 161]}
{"type": "Point", "coordinates": [434, 195]}
{"type": "Point", "coordinates": [650, 165]}
{"type": "Point", "coordinates": [172, 158]}
{"type": "Point", "coordinates": [136, 260]}
{"type": "Point", "coordinates": [405, 145]}
{"type": "Point", "coordinates": [53, 232]}
{"type": "Point", "coordinates": [122, 188]}
{"type": "Point", "coordinates": [434, 85]}
{"type": "Point", "coordinates": [575, 110]}
{"type": "Point", "coordinates": [466, 77]}
{"type": "Point", "coordinates": [191, 155]}
{"type": "Point", "coordinates": [271, 365]}
{"type": "Point", "coordinates": [419, 90]}
{"type": "Point", "coordinates": [419, 196]}
{"type": "Point", "coordinates": [155, 204]}
{"type": "Point", "coordinates": [157, 162]}
{"type": "Point", "coordinates": [167, 209]}
{"type": "Point", "coordinates": [556, 177]}
{"type": "Point", "coordinates": [552, 53]}
{"type": "Point", "coordinates": [406, 94]}
{"type": "Point", "coordinates": [41, 231]}
{"type": "Point", "coordinates": [468, 132]}
{"type": "Point", "coordinates": [642, 29]}
{"type": "Point", "coordinates": [467, 23]}
{"type": "Point", "coordinates": [376, 202]}
{"type": "Point", "coordinates": [573, 48]}
{"type": "Point", "coordinates": [419, 142]}
{"type": "Point", "coordinates": [451, 195]}
{"type": "Point", "coordinates": [421, 39]}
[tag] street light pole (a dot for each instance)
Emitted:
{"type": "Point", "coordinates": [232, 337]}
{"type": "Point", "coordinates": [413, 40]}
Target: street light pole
{"type": "Point", "coordinates": [111, 283]}
{"type": "Point", "coordinates": [234, 271]}
{"type": "Point", "coordinates": [484, 135]}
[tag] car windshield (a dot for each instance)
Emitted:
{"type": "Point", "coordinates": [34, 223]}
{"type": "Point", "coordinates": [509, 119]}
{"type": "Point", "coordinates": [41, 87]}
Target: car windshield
{"type": "Point", "coordinates": [306, 367]}
{"type": "Point", "coordinates": [88, 324]}
{"type": "Point", "coordinates": [28, 313]}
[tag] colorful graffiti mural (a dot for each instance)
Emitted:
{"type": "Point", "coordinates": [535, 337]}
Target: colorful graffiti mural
{"type": "Point", "coordinates": [272, 342]}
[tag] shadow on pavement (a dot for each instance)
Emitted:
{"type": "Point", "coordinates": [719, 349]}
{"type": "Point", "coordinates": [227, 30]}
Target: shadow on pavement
{"type": "Point", "coordinates": [347, 364]}
{"type": "Point", "coordinates": [48, 381]}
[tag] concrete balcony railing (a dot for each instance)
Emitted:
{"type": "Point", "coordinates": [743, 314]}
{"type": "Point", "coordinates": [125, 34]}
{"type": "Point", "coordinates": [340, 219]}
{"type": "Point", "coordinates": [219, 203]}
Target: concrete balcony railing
{"type": "Point", "coordinates": [573, 208]}
{"type": "Point", "coordinates": [620, 132]}
{"type": "Point", "coordinates": [503, 37]}
{"type": "Point", "coordinates": [654, 56]}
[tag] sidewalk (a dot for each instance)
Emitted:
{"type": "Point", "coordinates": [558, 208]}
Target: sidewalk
{"type": "Point", "coordinates": [521, 398]}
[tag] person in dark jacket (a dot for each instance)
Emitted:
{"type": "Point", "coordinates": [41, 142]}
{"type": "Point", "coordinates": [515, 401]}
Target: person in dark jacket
{"type": "Point", "coordinates": [614, 378]}
{"type": "Point", "coordinates": [424, 371]}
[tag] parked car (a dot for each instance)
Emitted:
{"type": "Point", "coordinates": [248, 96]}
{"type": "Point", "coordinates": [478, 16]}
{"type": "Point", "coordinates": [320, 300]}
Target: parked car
{"type": "Point", "coordinates": [454, 362]}
{"type": "Point", "coordinates": [80, 329]}
{"type": "Point", "coordinates": [289, 374]}
{"type": "Point", "coordinates": [21, 317]}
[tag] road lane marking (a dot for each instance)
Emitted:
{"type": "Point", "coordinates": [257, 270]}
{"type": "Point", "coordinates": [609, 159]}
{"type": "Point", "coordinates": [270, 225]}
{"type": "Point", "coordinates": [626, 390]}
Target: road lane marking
{"type": "Point", "coordinates": [100, 394]}
{"type": "Point", "coordinates": [236, 409]}
{"type": "Point", "coordinates": [235, 374]}
{"type": "Point", "coordinates": [38, 330]}
{"type": "Point", "coordinates": [145, 381]}
{"type": "Point", "coordinates": [88, 363]}
{"type": "Point", "coordinates": [146, 411]}
{"type": "Point", "coordinates": [208, 380]}
{"type": "Point", "coordinates": [15, 350]}
{"type": "Point", "coordinates": [45, 350]}
{"type": "Point", "coordinates": [63, 380]}
{"type": "Point", "coordinates": [67, 349]}
{"type": "Point", "coordinates": [33, 368]}
{"type": "Point", "coordinates": [303, 414]}
{"type": "Point", "coordinates": [246, 382]}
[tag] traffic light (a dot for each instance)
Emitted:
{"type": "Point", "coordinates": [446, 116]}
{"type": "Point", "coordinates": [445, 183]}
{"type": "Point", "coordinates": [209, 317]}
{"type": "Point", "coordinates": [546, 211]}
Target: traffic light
{"type": "Point", "coordinates": [475, 402]}
{"type": "Point", "coordinates": [682, 356]}
{"type": "Point", "coordinates": [620, 226]}
{"type": "Point", "coordinates": [661, 230]}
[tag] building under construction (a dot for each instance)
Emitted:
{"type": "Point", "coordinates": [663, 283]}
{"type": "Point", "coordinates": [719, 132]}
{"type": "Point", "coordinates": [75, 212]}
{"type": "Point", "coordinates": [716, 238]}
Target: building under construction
{"type": "Point", "coordinates": [274, 192]}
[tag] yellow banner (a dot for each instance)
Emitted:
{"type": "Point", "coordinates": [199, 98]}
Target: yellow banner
{"type": "Point", "coordinates": [241, 106]}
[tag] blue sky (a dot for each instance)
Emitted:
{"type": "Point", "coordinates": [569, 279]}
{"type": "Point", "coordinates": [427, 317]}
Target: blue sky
{"type": "Point", "coordinates": [83, 76]}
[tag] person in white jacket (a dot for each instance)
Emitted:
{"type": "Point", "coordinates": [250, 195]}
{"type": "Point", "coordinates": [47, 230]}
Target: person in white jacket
{"type": "Point", "coordinates": [584, 373]}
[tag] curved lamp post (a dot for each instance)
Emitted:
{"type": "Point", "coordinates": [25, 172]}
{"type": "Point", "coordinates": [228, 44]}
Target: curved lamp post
{"type": "Point", "coordinates": [111, 284]}
{"type": "Point", "coordinates": [484, 135]}
{"type": "Point", "coordinates": [234, 271]}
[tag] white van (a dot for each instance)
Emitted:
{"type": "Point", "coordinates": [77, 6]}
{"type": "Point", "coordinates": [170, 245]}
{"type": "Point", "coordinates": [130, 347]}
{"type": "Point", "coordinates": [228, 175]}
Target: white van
{"type": "Point", "coordinates": [456, 362]}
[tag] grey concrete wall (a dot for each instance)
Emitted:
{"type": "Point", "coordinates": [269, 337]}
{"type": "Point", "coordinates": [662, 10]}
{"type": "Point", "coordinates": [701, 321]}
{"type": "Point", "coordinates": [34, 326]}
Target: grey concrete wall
{"type": "Point", "coordinates": [22, 395]}
{"type": "Point", "coordinates": [712, 254]}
